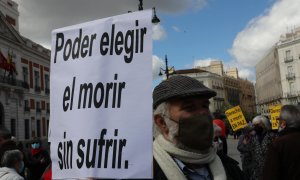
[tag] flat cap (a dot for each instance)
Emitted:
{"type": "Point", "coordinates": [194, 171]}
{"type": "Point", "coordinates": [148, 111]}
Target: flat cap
{"type": "Point", "coordinates": [179, 86]}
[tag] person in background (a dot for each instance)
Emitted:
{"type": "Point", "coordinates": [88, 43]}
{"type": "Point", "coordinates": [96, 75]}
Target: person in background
{"type": "Point", "coordinates": [183, 146]}
{"type": "Point", "coordinates": [244, 148]}
{"type": "Point", "coordinates": [283, 157]}
{"type": "Point", "coordinates": [6, 143]}
{"type": "Point", "coordinates": [11, 165]}
{"type": "Point", "coordinates": [259, 144]}
{"type": "Point", "coordinates": [38, 160]}
{"type": "Point", "coordinates": [220, 122]}
{"type": "Point", "coordinates": [218, 142]}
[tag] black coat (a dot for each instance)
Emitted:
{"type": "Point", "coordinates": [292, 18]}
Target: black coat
{"type": "Point", "coordinates": [283, 157]}
{"type": "Point", "coordinates": [37, 164]}
{"type": "Point", "coordinates": [233, 171]}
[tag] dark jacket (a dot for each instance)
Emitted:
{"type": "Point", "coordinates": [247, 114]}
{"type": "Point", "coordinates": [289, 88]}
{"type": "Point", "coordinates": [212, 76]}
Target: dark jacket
{"type": "Point", "coordinates": [233, 171]}
{"type": "Point", "coordinates": [37, 164]}
{"type": "Point", "coordinates": [283, 157]}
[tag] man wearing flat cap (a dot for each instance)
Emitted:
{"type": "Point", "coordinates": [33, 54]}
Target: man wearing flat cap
{"type": "Point", "coordinates": [183, 146]}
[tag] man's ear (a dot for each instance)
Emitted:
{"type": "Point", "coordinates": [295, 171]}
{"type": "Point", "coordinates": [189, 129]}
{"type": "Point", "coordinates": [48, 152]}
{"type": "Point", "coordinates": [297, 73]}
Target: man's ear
{"type": "Point", "coordinates": [161, 124]}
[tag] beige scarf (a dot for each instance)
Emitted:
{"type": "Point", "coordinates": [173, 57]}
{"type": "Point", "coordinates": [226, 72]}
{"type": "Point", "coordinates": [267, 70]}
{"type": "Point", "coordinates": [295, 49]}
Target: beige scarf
{"type": "Point", "coordinates": [163, 150]}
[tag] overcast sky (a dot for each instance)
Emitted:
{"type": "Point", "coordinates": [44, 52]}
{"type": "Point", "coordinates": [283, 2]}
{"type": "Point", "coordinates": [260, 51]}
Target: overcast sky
{"type": "Point", "coordinates": [191, 32]}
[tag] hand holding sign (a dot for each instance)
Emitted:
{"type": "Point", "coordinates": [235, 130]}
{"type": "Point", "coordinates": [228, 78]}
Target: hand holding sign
{"type": "Point", "coordinates": [97, 118]}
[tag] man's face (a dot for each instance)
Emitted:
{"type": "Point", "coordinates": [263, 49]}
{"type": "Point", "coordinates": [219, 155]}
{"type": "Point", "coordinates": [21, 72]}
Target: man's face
{"type": "Point", "coordinates": [182, 108]}
{"type": "Point", "coordinates": [187, 107]}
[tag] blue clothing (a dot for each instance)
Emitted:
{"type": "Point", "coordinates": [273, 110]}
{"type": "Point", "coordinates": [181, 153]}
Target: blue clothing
{"type": "Point", "coordinates": [194, 174]}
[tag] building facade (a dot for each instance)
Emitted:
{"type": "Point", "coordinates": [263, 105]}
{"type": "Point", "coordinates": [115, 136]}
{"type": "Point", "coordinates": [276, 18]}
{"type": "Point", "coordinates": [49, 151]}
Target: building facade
{"type": "Point", "coordinates": [210, 80]}
{"type": "Point", "coordinates": [278, 74]}
{"type": "Point", "coordinates": [289, 63]}
{"type": "Point", "coordinates": [24, 80]}
{"type": "Point", "coordinates": [247, 98]}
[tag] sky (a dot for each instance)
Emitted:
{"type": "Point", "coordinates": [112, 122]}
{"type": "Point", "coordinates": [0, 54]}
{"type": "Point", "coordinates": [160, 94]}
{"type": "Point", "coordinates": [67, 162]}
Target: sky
{"type": "Point", "coordinates": [191, 32]}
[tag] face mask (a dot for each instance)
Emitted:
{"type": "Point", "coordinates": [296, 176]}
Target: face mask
{"type": "Point", "coordinates": [21, 167]}
{"type": "Point", "coordinates": [35, 145]}
{"type": "Point", "coordinates": [258, 129]}
{"type": "Point", "coordinates": [196, 132]}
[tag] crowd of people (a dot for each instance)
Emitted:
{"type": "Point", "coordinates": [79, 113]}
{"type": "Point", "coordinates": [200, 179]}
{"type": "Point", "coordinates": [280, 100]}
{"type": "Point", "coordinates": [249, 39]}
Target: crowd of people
{"type": "Point", "coordinates": [189, 141]}
{"type": "Point", "coordinates": [18, 163]}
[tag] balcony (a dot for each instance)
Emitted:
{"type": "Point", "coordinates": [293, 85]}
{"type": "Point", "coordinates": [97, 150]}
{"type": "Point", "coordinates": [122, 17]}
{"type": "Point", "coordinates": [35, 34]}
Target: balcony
{"type": "Point", "coordinates": [292, 94]}
{"type": "Point", "coordinates": [37, 89]}
{"type": "Point", "coordinates": [12, 82]}
{"type": "Point", "coordinates": [288, 59]}
{"type": "Point", "coordinates": [290, 76]}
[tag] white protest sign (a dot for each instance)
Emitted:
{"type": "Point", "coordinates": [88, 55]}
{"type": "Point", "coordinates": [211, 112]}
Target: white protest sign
{"type": "Point", "coordinates": [101, 98]}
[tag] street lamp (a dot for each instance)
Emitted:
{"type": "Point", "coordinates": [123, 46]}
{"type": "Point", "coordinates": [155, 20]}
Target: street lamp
{"type": "Point", "coordinates": [141, 5]}
{"type": "Point", "coordinates": [168, 71]}
{"type": "Point", "coordinates": [155, 19]}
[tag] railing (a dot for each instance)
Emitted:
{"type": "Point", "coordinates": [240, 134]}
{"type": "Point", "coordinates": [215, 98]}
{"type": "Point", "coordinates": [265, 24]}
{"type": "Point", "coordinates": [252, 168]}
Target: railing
{"type": "Point", "coordinates": [292, 94]}
{"type": "Point", "coordinates": [290, 76]}
{"type": "Point", "coordinates": [288, 59]}
{"type": "Point", "coordinates": [217, 87]}
{"type": "Point", "coordinates": [13, 82]}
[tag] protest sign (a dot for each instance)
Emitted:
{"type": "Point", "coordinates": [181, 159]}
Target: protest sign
{"type": "Point", "coordinates": [236, 118]}
{"type": "Point", "coordinates": [101, 98]}
{"type": "Point", "coordinates": [275, 112]}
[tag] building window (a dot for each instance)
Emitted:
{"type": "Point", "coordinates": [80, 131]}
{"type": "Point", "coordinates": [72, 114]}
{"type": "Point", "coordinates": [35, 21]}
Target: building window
{"type": "Point", "coordinates": [290, 69]}
{"type": "Point", "coordinates": [37, 81]}
{"type": "Point", "coordinates": [27, 129]}
{"type": "Point", "coordinates": [288, 53]}
{"type": "Point", "coordinates": [292, 87]}
{"type": "Point", "coordinates": [25, 78]}
{"type": "Point", "coordinates": [47, 87]}
{"type": "Point", "coordinates": [48, 108]}
{"type": "Point", "coordinates": [1, 114]}
{"type": "Point", "coordinates": [38, 128]}
{"type": "Point", "coordinates": [47, 127]}
{"type": "Point", "coordinates": [13, 127]}
{"type": "Point", "coordinates": [26, 105]}
{"type": "Point", "coordinates": [44, 126]}
{"type": "Point", "coordinates": [38, 107]}
{"type": "Point", "coordinates": [10, 20]}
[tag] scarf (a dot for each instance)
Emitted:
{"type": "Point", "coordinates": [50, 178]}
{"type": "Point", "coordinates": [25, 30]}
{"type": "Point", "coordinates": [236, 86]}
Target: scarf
{"type": "Point", "coordinates": [35, 151]}
{"type": "Point", "coordinates": [163, 151]}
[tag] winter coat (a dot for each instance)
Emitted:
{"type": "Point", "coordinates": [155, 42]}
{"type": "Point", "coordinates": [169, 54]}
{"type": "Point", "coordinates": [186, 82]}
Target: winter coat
{"type": "Point", "coordinates": [37, 163]}
{"type": "Point", "coordinates": [259, 151]}
{"type": "Point", "coordinates": [246, 156]}
{"type": "Point", "coordinates": [283, 158]}
{"type": "Point", "coordinates": [232, 169]}
{"type": "Point", "coordinates": [9, 174]}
